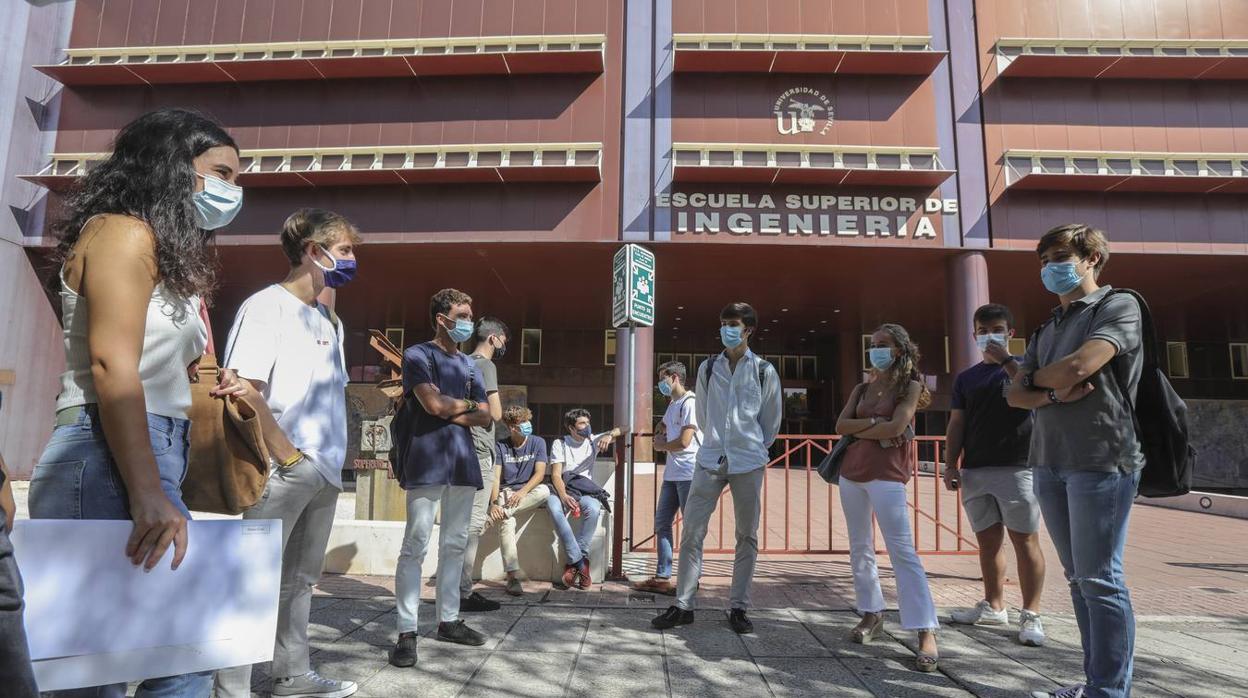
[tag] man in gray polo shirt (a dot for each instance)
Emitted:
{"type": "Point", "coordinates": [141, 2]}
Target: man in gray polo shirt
{"type": "Point", "coordinates": [1080, 375]}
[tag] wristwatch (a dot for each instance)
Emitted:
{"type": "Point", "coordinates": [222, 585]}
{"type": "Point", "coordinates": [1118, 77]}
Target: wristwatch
{"type": "Point", "coordinates": [472, 406]}
{"type": "Point", "coordinates": [1053, 397]}
{"type": "Point", "coordinates": [1029, 381]}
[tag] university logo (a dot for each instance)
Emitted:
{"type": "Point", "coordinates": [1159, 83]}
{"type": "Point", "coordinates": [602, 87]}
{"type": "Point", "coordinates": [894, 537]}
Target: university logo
{"type": "Point", "coordinates": [800, 110]}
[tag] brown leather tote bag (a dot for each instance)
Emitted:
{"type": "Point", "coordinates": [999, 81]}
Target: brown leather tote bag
{"type": "Point", "coordinates": [228, 465]}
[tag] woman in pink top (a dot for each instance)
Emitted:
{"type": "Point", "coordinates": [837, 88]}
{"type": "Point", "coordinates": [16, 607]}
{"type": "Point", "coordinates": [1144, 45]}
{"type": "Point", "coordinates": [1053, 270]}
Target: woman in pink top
{"type": "Point", "coordinates": [873, 479]}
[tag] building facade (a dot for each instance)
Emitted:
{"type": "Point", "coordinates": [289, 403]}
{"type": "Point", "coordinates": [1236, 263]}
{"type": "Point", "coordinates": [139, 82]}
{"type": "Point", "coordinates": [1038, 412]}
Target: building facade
{"type": "Point", "coordinates": [836, 163]}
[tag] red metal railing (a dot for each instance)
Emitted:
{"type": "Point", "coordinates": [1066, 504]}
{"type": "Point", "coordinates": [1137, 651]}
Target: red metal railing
{"type": "Point", "coordinates": [803, 517]}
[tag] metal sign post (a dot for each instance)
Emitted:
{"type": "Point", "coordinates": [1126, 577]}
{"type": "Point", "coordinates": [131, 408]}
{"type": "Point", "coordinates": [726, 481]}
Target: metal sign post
{"type": "Point", "coordinates": [632, 305]}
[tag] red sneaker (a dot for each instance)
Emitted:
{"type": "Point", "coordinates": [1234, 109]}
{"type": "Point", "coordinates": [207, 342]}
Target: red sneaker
{"type": "Point", "coordinates": [583, 578]}
{"type": "Point", "coordinates": [569, 576]}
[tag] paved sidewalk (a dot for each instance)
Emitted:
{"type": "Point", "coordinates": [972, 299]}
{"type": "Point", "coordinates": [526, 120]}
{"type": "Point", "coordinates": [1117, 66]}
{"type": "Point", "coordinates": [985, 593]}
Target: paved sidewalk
{"type": "Point", "coordinates": [551, 645]}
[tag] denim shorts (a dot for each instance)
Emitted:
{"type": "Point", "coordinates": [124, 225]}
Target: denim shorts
{"type": "Point", "coordinates": [77, 478]}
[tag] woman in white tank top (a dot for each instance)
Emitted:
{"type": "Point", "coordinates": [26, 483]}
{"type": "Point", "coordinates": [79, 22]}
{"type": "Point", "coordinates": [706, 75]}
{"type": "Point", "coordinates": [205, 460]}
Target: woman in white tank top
{"type": "Point", "coordinates": [136, 260]}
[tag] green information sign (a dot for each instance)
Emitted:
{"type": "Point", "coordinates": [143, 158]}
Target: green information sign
{"type": "Point", "coordinates": [632, 286]}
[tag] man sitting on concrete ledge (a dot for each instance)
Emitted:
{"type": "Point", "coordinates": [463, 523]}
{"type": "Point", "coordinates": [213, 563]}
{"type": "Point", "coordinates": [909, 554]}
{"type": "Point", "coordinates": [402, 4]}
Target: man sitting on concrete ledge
{"type": "Point", "coordinates": [574, 455]}
{"type": "Point", "coordinates": [518, 481]}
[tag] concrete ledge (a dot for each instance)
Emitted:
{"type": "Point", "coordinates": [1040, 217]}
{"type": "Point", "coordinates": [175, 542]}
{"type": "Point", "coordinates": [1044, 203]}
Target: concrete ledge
{"type": "Point", "coordinates": [372, 547]}
{"type": "Point", "coordinates": [1204, 503]}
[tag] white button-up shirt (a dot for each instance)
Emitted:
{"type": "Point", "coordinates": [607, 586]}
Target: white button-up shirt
{"type": "Point", "coordinates": [739, 417]}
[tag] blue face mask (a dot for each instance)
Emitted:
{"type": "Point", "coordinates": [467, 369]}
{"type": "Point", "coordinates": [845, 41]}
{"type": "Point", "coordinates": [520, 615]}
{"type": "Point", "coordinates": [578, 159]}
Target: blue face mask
{"type": "Point", "coordinates": [882, 357]}
{"type": "Point", "coordinates": [1060, 277]}
{"type": "Point", "coordinates": [217, 203]}
{"type": "Point", "coordinates": [338, 275]}
{"type": "Point", "coordinates": [983, 340]}
{"type": "Point", "coordinates": [585, 433]}
{"type": "Point", "coordinates": [526, 428]}
{"type": "Point", "coordinates": [462, 331]}
{"type": "Point", "coordinates": [731, 336]}
{"type": "Point", "coordinates": [665, 389]}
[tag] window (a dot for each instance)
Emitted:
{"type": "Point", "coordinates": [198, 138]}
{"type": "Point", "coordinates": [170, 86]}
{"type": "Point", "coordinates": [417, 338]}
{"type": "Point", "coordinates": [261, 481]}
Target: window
{"type": "Point", "coordinates": [1018, 346]}
{"type": "Point", "coordinates": [530, 347]}
{"type": "Point", "coordinates": [1239, 361]}
{"type": "Point", "coordinates": [866, 352]}
{"type": "Point", "coordinates": [790, 371]}
{"type": "Point", "coordinates": [608, 350]}
{"type": "Point", "coordinates": [810, 368]}
{"type": "Point", "coordinates": [1176, 359]}
{"type": "Point", "coordinates": [394, 335]}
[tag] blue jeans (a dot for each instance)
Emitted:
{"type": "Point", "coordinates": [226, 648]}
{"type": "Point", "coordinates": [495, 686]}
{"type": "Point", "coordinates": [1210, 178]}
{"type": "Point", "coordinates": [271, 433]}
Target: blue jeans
{"type": "Point", "coordinates": [1086, 513]}
{"type": "Point", "coordinates": [16, 674]}
{"type": "Point", "coordinates": [76, 478]}
{"type": "Point", "coordinates": [576, 546]}
{"type": "Point", "coordinates": [672, 498]}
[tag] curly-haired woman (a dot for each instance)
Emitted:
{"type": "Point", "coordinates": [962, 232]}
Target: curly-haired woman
{"type": "Point", "coordinates": [135, 260]}
{"type": "Point", "coordinates": [873, 480]}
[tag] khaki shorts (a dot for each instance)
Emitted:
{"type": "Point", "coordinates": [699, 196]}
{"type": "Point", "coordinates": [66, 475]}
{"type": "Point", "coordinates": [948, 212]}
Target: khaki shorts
{"type": "Point", "coordinates": [993, 496]}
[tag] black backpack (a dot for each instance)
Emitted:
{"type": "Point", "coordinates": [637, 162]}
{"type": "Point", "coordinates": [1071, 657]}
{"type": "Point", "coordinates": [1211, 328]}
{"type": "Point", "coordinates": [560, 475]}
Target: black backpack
{"type": "Point", "coordinates": [1160, 417]}
{"type": "Point", "coordinates": [1159, 414]}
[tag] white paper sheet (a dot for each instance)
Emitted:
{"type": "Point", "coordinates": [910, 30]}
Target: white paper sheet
{"type": "Point", "coordinates": [93, 618]}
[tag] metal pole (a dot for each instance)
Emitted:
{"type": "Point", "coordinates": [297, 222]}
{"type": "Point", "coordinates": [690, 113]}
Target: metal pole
{"type": "Point", "coordinates": [632, 414]}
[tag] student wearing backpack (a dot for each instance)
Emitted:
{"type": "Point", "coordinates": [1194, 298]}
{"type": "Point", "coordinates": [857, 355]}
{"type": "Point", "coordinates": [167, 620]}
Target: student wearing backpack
{"type": "Point", "coordinates": [438, 466]}
{"type": "Point", "coordinates": [679, 436]}
{"type": "Point", "coordinates": [739, 407]}
{"type": "Point", "coordinates": [987, 462]}
{"type": "Point", "coordinates": [1080, 375]}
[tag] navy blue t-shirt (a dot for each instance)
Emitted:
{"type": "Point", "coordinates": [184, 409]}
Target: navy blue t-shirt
{"type": "Point", "coordinates": [441, 452]}
{"type": "Point", "coordinates": [519, 463]}
{"type": "Point", "coordinates": [996, 434]}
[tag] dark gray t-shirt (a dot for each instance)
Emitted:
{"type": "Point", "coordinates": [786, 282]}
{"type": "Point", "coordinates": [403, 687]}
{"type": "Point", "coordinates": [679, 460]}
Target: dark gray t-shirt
{"type": "Point", "coordinates": [483, 437]}
{"type": "Point", "coordinates": [1097, 432]}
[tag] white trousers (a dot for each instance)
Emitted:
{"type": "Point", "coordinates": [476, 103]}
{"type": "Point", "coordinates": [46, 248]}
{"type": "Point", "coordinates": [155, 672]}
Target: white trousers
{"type": "Point", "coordinates": [422, 506]}
{"type": "Point", "coordinates": [888, 502]}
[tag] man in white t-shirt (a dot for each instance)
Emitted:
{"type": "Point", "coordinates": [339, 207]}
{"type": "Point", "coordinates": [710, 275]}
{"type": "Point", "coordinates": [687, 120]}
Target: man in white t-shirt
{"type": "Point", "coordinates": [679, 436]}
{"type": "Point", "coordinates": [287, 347]}
{"type": "Point", "coordinates": [572, 455]}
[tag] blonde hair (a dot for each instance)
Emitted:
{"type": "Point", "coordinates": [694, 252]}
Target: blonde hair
{"type": "Point", "coordinates": [314, 225]}
{"type": "Point", "coordinates": [906, 367]}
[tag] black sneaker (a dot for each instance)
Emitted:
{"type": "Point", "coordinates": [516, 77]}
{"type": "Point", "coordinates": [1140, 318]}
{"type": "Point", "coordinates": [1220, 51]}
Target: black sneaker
{"type": "Point", "coordinates": [403, 654]}
{"type": "Point", "coordinates": [740, 624]}
{"type": "Point", "coordinates": [672, 617]}
{"type": "Point", "coordinates": [460, 634]}
{"type": "Point", "coordinates": [476, 603]}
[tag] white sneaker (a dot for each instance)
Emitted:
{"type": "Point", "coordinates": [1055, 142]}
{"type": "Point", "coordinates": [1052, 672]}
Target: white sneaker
{"type": "Point", "coordinates": [1070, 692]}
{"type": "Point", "coordinates": [312, 685]}
{"type": "Point", "coordinates": [1030, 629]}
{"type": "Point", "coordinates": [981, 614]}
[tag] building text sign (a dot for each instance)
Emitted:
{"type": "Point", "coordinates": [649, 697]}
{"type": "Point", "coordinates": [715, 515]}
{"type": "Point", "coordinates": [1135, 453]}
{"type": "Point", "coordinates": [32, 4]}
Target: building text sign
{"type": "Point", "coordinates": [803, 215]}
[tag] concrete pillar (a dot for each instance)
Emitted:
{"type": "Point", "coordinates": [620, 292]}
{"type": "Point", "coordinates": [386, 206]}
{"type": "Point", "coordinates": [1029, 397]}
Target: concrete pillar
{"type": "Point", "coordinates": [642, 387]}
{"type": "Point", "coordinates": [966, 288]}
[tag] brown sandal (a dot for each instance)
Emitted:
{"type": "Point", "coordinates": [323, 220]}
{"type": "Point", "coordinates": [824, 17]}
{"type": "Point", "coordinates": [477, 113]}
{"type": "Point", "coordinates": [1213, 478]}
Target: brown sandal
{"type": "Point", "coordinates": [655, 585]}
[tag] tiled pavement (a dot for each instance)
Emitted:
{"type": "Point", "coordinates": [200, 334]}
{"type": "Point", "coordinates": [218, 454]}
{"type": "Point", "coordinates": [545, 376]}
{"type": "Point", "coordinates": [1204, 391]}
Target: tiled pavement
{"type": "Point", "coordinates": [1188, 574]}
{"type": "Point", "coordinates": [550, 644]}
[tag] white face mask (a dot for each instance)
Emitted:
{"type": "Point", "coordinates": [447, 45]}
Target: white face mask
{"type": "Point", "coordinates": [983, 340]}
{"type": "Point", "coordinates": [217, 203]}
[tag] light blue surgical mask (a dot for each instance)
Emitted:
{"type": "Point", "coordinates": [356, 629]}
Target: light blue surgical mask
{"type": "Point", "coordinates": [217, 203]}
{"type": "Point", "coordinates": [1060, 277]}
{"type": "Point", "coordinates": [526, 428]}
{"type": "Point", "coordinates": [882, 357]}
{"type": "Point", "coordinates": [983, 340]}
{"type": "Point", "coordinates": [462, 330]}
{"type": "Point", "coordinates": [665, 389]}
{"type": "Point", "coordinates": [731, 336]}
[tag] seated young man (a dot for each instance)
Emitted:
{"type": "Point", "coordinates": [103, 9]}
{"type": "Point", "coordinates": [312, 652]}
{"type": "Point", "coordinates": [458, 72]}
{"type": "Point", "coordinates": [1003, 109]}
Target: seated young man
{"type": "Point", "coordinates": [573, 455]}
{"type": "Point", "coordinates": [521, 460]}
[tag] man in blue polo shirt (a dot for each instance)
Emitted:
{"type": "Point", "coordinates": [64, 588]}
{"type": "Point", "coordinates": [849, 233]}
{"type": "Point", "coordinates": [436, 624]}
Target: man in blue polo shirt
{"type": "Point", "coordinates": [521, 459]}
{"type": "Point", "coordinates": [439, 467]}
